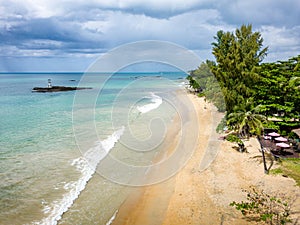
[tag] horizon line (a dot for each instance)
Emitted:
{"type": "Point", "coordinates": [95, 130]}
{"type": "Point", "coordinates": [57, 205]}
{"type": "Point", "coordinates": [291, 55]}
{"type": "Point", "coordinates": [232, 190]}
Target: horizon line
{"type": "Point", "coordinates": [78, 72]}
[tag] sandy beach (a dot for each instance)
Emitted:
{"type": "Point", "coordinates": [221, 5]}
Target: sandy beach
{"type": "Point", "coordinates": [202, 196]}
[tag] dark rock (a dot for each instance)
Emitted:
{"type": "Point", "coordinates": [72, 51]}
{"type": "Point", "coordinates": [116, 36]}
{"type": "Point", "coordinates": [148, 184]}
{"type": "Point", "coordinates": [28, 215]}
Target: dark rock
{"type": "Point", "coordinates": [57, 89]}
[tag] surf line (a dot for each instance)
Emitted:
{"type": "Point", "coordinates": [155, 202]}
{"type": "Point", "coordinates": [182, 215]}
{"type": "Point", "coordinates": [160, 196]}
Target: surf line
{"type": "Point", "coordinates": [156, 101]}
{"type": "Point", "coordinates": [86, 164]}
{"type": "Point", "coordinates": [112, 218]}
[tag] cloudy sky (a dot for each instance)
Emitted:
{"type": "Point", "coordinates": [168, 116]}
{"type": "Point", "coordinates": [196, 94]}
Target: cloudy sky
{"type": "Point", "coordinates": [68, 35]}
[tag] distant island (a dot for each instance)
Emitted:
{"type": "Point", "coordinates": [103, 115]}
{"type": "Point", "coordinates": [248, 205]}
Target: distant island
{"type": "Point", "coordinates": [58, 89]}
{"type": "Point", "coordinates": [51, 88]}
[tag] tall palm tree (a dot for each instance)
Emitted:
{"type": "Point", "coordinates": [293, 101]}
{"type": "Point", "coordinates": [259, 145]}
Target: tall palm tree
{"type": "Point", "coordinates": [246, 120]}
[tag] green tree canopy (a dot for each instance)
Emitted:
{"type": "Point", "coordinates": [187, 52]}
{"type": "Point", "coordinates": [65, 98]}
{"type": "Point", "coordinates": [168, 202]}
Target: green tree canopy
{"type": "Point", "coordinates": [238, 76]}
{"type": "Point", "coordinates": [238, 56]}
{"type": "Point", "coordinates": [278, 91]}
{"type": "Point", "coordinates": [203, 79]}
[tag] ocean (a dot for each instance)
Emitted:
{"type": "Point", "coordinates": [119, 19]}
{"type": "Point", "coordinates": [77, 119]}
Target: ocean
{"type": "Point", "coordinates": [71, 157]}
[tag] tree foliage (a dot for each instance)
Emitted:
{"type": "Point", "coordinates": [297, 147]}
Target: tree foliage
{"type": "Point", "coordinates": [203, 79]}
{"type": "Point", "coordinates": [246, 120]}
{"type": "Point", "coordinates": [278, 91]}
{"type": "Point", "coordinates": [238, 56]}
{"type": "Point", "coordinates": [193, 83]}
{"type": "Point", "coordinates": [202, 74]}
{"type": "Point", "coordinates": [250, 91]}
{"type": "Point", "coordinates": [274, 87]}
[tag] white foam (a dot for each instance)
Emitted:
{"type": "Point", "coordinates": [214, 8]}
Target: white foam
{"type": "Point", "coordinates": [112, 218]}
{"type": "Point", "coordinates": [87, 166]}
{"type": "Point", "coordinates": [182, 84]}
{"type": "Point", "coordinates": [156, 101]}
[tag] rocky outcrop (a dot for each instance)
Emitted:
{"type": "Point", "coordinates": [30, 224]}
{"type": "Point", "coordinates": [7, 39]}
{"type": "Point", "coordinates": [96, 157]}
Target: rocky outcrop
{"type": "Point", "coordinates": [57, 89]}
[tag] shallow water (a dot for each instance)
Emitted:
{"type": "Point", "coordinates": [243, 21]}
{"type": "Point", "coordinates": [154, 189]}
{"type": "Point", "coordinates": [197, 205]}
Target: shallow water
{"type": "Point", "coordinates": [48, 155]}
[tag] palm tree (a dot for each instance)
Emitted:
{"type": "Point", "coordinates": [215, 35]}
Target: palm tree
{"type": "Point", "coordinates": [246, 120]}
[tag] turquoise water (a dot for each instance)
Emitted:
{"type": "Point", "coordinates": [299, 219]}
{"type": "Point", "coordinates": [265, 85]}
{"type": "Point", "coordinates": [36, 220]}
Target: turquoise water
{"type": "Point", "coordinates": [45, 140]}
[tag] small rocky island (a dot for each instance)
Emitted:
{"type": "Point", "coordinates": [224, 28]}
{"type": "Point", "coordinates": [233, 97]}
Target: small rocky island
{"type": "Point", "coordinates": [57, 89]}
{"type": "Point", "coordinates": [51, 88]}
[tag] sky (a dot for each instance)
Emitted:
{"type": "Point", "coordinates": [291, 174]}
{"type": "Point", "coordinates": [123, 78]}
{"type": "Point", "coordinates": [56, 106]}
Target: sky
{"type": "Point", "coordinates": [69, 35]}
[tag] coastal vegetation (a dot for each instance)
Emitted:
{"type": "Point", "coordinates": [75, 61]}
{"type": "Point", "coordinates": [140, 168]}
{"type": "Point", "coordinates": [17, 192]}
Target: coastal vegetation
{"type": "Point", "coordinates": [263, 207]}
{"type": "Point", "coordinates": [204, 83]}
{"type": "Point", "coordinates": [255, 95]}
{"type": "Point", "coordinates": [289, 168]}
{"type": "Point", "coordinates": [246, 119]}
{"type": "Point", "coordinates": [278, 91]}
{"type": "Point", "coordinates": [237, 59]}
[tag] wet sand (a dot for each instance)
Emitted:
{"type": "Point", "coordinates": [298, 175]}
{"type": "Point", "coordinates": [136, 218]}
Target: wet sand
{"type": "Point", "coordinates": [197, 196]}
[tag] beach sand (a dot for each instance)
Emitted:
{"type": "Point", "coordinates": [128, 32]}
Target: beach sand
{"type": "Point", "coordinates": [197, 196]}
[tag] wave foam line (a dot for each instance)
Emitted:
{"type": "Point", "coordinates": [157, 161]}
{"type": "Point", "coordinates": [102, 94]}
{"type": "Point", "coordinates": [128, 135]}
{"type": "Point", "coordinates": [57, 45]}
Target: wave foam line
{"type": "Point", "coordinates": [87, 166]}
{"type": "Point", "coordinates": [156, 101]}
{"type": "Point", "coordinates": [112, 218]}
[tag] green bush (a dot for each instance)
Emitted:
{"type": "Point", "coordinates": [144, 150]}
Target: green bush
{"type": "Point", "coordinates": [271, 125]}
{"type": "Point", "coordinates": [283, 133]}
{"type": "Point", "coordinates": [201, 94]}
{"type": "Point", "coordinates": [292, 135]}
{"type": "Point", "coordinates": [263, 207]}
{"type": "Point", "coordinates": [234, 138]}
{"type": "Point", "coordinates": [221, 126]}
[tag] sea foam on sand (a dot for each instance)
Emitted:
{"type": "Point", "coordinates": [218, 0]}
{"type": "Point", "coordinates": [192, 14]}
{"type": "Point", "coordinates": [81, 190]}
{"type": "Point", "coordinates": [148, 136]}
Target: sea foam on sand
{"type": "Point", "coordinates": [86, 164]}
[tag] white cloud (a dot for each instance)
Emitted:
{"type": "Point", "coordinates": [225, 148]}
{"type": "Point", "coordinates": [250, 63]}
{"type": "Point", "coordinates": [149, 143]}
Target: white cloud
{"type": "Point", "coordinates": [281, 41]}
{"type": "Point", "coordinates": [50, 8]}
{"type": "Point", "coordinates": [70, 28]}
{"type": "Point", "coordinates": [193, 30]}
{"type": "Point", "coordinates": [281, 36]}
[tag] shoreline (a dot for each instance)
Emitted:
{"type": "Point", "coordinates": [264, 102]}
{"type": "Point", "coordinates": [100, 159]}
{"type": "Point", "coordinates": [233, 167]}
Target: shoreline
{"type": "Point", "coordinates": [154, 204]}
{"type": "Point", "coordinates": [197, 196]}
{"type": "Point", "coordinates": [141, 204]}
